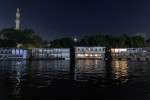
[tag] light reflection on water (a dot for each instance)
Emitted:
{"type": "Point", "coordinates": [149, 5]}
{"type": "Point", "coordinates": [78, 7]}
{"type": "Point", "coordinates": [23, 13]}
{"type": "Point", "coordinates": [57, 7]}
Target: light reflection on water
{"type": "Point", "coordinates": [120, 70]}
{"type": "Point", "coordinates": [20, 75]}
{"type": "Point", "coordinates": [86, 70]}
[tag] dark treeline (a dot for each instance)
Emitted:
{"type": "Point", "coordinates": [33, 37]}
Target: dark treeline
{"type": "Point", "coordinates": [28, 39]}
{"type": "Point", "coordinates": [109, 41]}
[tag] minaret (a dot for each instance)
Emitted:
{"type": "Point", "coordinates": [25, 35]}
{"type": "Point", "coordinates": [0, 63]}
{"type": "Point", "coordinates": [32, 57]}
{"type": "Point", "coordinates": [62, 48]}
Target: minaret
{"type": "Point", "coordinates": [17, 19]}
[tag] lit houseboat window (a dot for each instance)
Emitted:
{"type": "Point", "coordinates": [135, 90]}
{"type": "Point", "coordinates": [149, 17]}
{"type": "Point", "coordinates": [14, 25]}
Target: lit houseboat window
{"type": "Point", "coordinates": [80, 55]}
{"type": "Point", "coordinates": [116, 50]}
{"type": "Point", "coordinates": [119, 50]}
{"type": "Point", "coordinates": [86, 54]}
{"type": "Point", "coordinates": [112, 50]}
{"type": "Point", "coordinates": [122, 50]}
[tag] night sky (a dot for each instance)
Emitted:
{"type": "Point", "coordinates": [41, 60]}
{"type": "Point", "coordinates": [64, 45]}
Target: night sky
{"type": "Point", "coordinates": [52, 19]}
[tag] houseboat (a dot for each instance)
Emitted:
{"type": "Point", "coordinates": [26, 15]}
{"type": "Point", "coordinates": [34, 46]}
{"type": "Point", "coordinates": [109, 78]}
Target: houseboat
{"type": "Point", "coordinates": [14, 53]}
{"type": "Point", "coordinates": [130, 53]}
{"type": "Point", "coordinates": [89, 52]}
{"type": "Point", "coordinates": [51, 53]}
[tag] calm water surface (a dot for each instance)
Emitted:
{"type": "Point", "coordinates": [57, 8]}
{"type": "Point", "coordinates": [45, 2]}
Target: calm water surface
{"type": "Point", "coordinates": [74, 80]}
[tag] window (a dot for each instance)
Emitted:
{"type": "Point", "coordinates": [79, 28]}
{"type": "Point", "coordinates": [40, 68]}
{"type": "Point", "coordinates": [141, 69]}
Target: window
{"type": "Point", "coordinates": [103, 49]}
{"type": "Point", "coordinates": [9, 52]}
{"type": "Point", "coordinates": [96, 49]}
{"type": "Point", "coordinates": [1, 52]}
{"type": "Point", "coordinates": [82, 49]}
{"type": "Point", "coordinates": [78, 49]}
{"type": "Point", "coordinates": [5, 52]}
{"type": "Point", "coordinates": [87, 49]}
{"type": "Point", "coordinates": [57, 52]}
{"type": "Point", "coordinates": [86, 55]}
{"type": "Point", "coordinates": [99, 49]}
{"type": "Point", "coordinates": [91, 49]}
{"type": "Point", "coordinates": [37, 50]}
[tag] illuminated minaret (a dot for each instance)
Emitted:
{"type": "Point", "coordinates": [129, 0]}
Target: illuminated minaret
{"type": "Point", "coordinates": [17, 19]}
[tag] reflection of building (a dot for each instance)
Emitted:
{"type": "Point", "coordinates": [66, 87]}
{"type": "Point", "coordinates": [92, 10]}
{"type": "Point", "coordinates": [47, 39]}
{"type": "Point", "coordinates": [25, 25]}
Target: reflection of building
{"type": "Point", "coordinates": [12, 53]}
{"type": "Point", "coordinates": [130, 53]}
{"type": "Point", "coordinates": [52, 53]}
{"type": "Point", "coordinates": [89, 52]}
{"type": "Point", "coordinates": [140, 34]}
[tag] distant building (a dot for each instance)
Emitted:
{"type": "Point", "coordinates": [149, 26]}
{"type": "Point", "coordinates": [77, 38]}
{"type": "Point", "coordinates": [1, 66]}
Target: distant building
{"type": "Point", "coordinates": [51, 53]}
{"type": "Point", "coordinates": [17, 19]}
{"type": "Point", "coordinates": [14, 53]}
{"type": "Point", "coordinates": [89, 52]}
{"type": "Point", "coordinates": [148, 43]}
{"type": "Point", "coordinates": [141, 34]}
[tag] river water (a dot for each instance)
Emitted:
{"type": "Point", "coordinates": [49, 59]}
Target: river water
{"type": "Point", "coordinates": [74, 80]}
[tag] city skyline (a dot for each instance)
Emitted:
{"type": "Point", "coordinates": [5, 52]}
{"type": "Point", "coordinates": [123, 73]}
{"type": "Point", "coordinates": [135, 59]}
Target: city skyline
{"type": "Point", "coordinates": [76, 19]}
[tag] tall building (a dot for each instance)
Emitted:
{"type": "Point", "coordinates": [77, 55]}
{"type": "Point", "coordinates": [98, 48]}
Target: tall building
{"type": "Point", "coordinates": [17, 19]}
{"type": "Point", "coordinates": [140, 34]}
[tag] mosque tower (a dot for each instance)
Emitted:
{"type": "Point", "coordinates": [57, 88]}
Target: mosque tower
{"type": "Point", "coordinates": [17, 19]}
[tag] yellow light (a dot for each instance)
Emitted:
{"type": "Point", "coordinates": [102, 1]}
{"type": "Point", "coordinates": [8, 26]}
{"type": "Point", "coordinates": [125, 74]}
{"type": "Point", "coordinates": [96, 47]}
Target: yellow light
{"type": "Point", "coordinates": [116, 50]}
{"type": "Point", "coordinates": [86, 54]}
{"type": "Point", "coordinates": [122, 50]}
{"type": "Point", "coordinates": [113, 50]}
{"type": "Point", "coordinates": [79, 55]}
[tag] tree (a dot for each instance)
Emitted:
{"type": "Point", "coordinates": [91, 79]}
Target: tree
{"type": "Point", "coordinates": [124, 41]}
{"type": "Point", "coordinates": [62, 43]}
{"type": "Point", "coordinates": [138, 42]}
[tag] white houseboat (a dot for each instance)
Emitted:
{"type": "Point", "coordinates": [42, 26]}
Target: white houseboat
{"type": "Point", "coordinates": [130, 53]}
{"type": "Point", "coordinates": [51, 53]}
{"type": "Point", "coordinates": [14, 53]}
{"type": "Point", "coordinates": [89, 52]}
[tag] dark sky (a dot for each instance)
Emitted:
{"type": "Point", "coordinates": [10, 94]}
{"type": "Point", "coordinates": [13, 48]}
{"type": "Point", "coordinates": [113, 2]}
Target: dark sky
{"type": "Point", "coordinates": [53, 19]}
